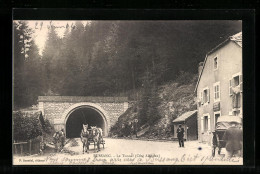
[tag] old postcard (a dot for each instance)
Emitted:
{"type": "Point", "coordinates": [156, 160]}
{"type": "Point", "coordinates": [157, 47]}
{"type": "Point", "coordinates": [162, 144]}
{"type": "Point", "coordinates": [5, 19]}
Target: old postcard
{"type": "Point", "coordinates": [120, 92]}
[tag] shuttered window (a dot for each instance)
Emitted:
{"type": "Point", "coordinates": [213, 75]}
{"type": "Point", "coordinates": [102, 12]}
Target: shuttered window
{"type": "Point", "coordinates": [236, 81]}
{"type": "Point", "coordinates": [206, 96]}
{"type": "Point", "coordinates": [216, 87]}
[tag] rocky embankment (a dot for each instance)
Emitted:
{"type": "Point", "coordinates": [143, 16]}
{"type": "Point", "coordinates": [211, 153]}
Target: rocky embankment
{"type": "Point", "coordinates": [176, 98]}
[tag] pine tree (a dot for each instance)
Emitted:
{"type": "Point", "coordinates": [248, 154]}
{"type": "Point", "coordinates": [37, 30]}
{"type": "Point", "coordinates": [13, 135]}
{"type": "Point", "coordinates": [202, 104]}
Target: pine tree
{"type": "Point", "coordinates": [51, 59]}
{"type": "Point", "coordinates": [22, 45]}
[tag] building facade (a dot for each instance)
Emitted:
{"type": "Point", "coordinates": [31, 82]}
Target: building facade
{"type": "Point", "coordinates": [220, 86]}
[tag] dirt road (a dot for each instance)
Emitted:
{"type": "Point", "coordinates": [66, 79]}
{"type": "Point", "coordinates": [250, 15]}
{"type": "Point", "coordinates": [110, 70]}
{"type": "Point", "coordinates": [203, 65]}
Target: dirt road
{"type": "Point", "coordinates": [132, 152]}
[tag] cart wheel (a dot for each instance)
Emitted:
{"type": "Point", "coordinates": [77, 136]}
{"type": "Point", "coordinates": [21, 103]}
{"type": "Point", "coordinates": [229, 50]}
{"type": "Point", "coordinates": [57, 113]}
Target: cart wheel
{"type": "Point", "coordinates": [88, 145]}
{"type": "Point", "coordinates": [219, 151]}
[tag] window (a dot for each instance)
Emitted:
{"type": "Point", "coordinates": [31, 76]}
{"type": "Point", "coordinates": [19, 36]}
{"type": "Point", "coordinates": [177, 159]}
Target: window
{"type": "Point", "coordinates": [205, 96]}
{"type": "Point", "coordinates": [235, 90]}
{"type": "Point", "coordinates": [206, 123]}
{"type": "Point", "coordinates": [216, 91]}
{"type": "Point", "coordinates": [215, 63]}
{"type": "Point", "coordinates": [216, 116]}
{"type": "Point", "coordinates": [236, 84]}
{"type": "Point", "coordinates": [236, 81]}
{"type": "Point", "coordinates": [236, 101]}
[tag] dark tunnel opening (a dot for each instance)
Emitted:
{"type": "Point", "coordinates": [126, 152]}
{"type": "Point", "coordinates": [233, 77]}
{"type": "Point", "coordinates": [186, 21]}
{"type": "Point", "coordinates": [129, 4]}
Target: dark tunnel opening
{"type": "Point", "coordinates": [83, 116]}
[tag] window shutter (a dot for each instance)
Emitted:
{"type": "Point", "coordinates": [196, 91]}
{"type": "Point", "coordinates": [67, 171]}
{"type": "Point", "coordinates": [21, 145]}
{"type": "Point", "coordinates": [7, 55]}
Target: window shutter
{"type": "Point", "coordinates": [218, 91]}
{"type": "Point", "coordinates": [230, 87]}
{"type": "Point", "coordinates": [209, 123]}
{"type": "Point", "coordinates": [201, 97]}
{"type": "Point", "coordinates": [215, 92]}
{"type": "Point", "coordinates": [202, 125]}
{"type": "Point", "coordinates": [208, 96]}
{"type": "Point", "coordinates": [241, 83]}
{"type": "Point", "coordinates": [240, 78]}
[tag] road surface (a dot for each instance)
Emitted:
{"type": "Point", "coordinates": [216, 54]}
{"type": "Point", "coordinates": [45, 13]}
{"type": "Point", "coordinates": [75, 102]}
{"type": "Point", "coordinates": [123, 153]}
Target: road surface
{"type": "Point", "coordinates": [132, 152]}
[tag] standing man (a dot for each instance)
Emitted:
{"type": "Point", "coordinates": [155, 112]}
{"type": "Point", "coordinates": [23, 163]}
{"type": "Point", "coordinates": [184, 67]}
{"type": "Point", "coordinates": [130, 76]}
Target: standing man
{"type": "Point", "coordinates": [56, 140]}
{"type": "Point", "coordinates": [234, 139]}
{"type": "Point", "coordinates": [180, 135]}
{"type": "Point", "coordinates": [62, 138]}
{"type": "Point", "coordinates": [135, 127]}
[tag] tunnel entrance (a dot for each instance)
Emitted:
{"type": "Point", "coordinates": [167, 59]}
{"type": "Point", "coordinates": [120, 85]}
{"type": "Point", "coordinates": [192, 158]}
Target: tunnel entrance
{"type": "Point", "coordinates": [81, 116]}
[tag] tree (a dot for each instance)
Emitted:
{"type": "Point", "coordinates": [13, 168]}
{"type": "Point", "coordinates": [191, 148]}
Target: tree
{"type": "Point", "coordinates": [26, 127]}
{"type": "Point", "coordinates": [51, 61]}
{"type": "Point", "coordinates": [33, 73]}
{"type": "Point", "coordinates": [24, 46]}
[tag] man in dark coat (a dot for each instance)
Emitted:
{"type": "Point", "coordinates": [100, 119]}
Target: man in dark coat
{"type": "Point", "coordinates": [180, 135]}
{"type": "Point", "coordinates": [62, 138]}
{"type": "Point", "coordinates": [234, 139]}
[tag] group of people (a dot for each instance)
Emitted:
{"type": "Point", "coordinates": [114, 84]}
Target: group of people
{"type": "Point", "coordinates": [233, 137]}
{"type": "Point", "coordinates": [129, 129]}
{"type": "Point", "coordinates": [59, 140]}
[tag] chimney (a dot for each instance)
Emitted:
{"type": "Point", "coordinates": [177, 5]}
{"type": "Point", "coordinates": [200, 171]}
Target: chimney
{"type": "Point", "coordinates": [200, 67]}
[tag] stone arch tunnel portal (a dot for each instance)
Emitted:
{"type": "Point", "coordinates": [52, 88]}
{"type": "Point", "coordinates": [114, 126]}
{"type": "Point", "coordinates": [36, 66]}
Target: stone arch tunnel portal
{"type": "Point", "coordinates": [84, 115]}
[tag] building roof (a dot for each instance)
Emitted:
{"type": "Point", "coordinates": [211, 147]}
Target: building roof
{"type": "Point", "coordinates": [184, 116]}
{"type": "Point", "coordinates": [237, 38]}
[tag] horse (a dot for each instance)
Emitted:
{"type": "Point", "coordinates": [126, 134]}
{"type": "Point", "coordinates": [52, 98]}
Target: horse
{"type": "Point", "coordinates": [96, 136]}
{"type": "Point", "coordinates": [84, 137]}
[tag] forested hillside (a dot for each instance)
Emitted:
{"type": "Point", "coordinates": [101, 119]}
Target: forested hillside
{"type": "Point", "coordinates": [112, 58]}
{"type": "Point", "coordinates": [155, 111]}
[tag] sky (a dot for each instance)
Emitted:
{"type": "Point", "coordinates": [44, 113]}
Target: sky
{"type": "Point", "coordinates": [40, 28]}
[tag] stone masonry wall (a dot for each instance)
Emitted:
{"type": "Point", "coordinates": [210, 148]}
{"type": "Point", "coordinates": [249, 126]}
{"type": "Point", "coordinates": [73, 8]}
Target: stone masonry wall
{"type": "Point", "coordinates": [53, 111]}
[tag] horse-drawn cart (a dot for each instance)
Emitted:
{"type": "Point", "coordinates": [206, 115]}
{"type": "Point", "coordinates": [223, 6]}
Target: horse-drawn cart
{"type": "Point", "coordinates": [91, 136]}
{"type": "Point", "coordinates": [91, 141]}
